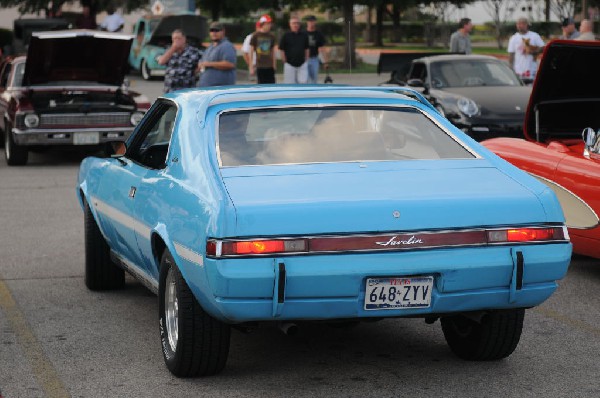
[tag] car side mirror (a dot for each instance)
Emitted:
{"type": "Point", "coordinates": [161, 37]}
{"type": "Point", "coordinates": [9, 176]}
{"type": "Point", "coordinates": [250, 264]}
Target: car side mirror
{"type": "Point", "coordinates": [115, 149]}
{"type": "Point", "coordinates": [415, 83]}
{"type": "Point", "coordinates": [591, 140]}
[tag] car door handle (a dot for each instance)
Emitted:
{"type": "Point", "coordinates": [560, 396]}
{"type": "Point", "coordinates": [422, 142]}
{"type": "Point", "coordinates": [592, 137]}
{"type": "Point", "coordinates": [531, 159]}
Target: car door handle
{"type": "Point", "coordinates": [132, 192]}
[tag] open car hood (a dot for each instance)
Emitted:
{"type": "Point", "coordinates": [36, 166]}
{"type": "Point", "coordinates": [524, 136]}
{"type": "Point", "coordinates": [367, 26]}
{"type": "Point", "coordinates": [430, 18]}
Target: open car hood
{"type": "Point", "coordinates": [77, 56]}
{"type": "Point", "coordinates": [194, 26]}
{"type": "Point", "coordinates": [566, 93]}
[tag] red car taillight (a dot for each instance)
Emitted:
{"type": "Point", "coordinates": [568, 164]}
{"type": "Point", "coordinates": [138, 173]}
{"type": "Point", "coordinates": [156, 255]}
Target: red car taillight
{"type": "Point", "coordinates": [526, 235]}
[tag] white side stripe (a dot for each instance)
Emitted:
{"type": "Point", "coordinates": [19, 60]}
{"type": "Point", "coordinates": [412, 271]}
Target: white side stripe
{"type": "Point", "coordinates": [189, 254]}
{"type": "Point", "coordinates": [122, 218]}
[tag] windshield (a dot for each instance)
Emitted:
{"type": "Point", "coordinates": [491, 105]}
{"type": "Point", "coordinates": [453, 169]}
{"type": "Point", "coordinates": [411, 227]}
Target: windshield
{"type": "Point", "coordinates": [468, 73]}
{"type": "Point", "coordinates": [301, 135]}
{"type": "Point", "coordinates": [18, 76]}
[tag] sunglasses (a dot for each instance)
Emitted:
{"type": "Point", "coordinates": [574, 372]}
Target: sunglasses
{"type": "Point", "coordinates": [215, 30]}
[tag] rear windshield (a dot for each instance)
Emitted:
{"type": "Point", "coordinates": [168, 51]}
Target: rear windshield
{"type": "Point", "coordinates": [301, 135]}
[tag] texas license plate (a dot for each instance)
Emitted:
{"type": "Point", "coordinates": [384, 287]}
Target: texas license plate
{"type": "Point", "coordinates": [86, 138]}
{"type": "Point", "coordinates": [398, 293]}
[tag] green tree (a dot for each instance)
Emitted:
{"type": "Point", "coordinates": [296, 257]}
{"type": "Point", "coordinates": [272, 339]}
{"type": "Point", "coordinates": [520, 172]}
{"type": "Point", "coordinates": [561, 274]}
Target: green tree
{"type": "Point", "coordinates": [96, 6]}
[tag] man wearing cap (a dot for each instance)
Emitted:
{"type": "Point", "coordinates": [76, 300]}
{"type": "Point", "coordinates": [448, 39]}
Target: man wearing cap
{"type": "Point", "coordinates": [569, 30]}
{"type": "Point", "coordinates": [293, 47]}
{"type": "Point", "coordinates": [316, 41]}
{"type": "Point", "coordinates": [523, 48]}
{"type": "Point", "coordinates": [217, 66]}
{"type": "Point", "coordinates": [247, 52]}
{"type": "Point", "coordinates": [181, 60]}
{"type": "Point", "coordinates": [263, 52]}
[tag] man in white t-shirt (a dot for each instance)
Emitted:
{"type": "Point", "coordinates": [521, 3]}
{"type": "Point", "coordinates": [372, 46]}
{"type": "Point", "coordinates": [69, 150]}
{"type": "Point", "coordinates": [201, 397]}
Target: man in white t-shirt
{"type": "Point", "coordinates": [113, 22]}
{"type": "Point", "coordinates": [523, 48]}
{"type": "Point", "coordinates": [247, 52]}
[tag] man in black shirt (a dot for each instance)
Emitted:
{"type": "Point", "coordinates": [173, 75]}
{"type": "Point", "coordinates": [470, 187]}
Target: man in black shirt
{"type": "Point", "coordinates": [316, 41]}
{"type": "Point", "coordinates": [294, 54]}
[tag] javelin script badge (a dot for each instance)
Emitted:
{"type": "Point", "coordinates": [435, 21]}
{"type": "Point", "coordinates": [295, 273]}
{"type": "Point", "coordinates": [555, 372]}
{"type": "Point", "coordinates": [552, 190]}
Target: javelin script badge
{"type": "Point", "coordinates": [394, 241]}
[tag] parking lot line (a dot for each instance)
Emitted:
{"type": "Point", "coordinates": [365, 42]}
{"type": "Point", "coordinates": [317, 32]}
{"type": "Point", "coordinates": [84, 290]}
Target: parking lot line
{"type": "Point", "coordinates": [43, 369]}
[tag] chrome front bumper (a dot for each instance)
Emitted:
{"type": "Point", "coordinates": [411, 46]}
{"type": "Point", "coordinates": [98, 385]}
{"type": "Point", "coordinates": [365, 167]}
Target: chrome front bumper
{"type": "Point", "coordinates": [85, 136]}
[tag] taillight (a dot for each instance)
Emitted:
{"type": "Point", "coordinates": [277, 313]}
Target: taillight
{"type": "Point", "coordinates": [385, 242]}
{"type": "Point", "coordinates": [526, 235]}
{"type": "Point", "coordinates": [253, 247]}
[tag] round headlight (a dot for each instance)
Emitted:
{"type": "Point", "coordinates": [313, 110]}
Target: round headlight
{"type": "Point", "coordinates": [136, 117]}
{"type": "Point", "coordinates": [31, 120]}
{"type": "Point", "coordinates": [467, 106]}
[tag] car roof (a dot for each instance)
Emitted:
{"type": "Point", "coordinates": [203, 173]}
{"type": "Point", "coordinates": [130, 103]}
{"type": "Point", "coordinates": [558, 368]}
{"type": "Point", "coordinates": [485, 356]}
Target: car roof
{"type": "Point", "coordinates": [224, 94]}
{"type": "Point", "coordinates": [456, 57]}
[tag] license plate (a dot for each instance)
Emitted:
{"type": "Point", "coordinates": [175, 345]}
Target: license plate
{"type": "Point", "coordinates": [398, 293]}
{"type": "Point", "coordinates": [86, 138]}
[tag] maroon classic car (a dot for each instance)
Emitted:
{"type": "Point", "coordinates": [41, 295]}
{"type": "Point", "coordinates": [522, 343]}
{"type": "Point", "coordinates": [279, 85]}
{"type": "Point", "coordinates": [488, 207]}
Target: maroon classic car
{"type": "Point", "coordinates": [68, 91]}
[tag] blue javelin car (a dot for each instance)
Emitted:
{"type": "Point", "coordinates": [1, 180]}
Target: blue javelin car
{"type": "Point", "coordinates": [285, 203]}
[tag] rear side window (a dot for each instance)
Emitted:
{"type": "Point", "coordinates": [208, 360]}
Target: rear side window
{"type": "Point", "coordinates": [324, 135]}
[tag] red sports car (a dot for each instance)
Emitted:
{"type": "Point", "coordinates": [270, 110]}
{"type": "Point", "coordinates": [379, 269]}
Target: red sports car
{"type": "Point", "coordinates": [562, 136]}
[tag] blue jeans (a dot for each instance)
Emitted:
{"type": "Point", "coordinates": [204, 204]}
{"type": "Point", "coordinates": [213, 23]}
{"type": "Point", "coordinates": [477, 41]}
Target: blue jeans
{"type": "Point", "coordinates": [313, 70]}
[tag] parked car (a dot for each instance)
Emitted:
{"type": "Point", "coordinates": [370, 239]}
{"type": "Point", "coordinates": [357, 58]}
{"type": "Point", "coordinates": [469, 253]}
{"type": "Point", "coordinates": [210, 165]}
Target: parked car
{"type": "Point", "coordinates": [153, 37]}
{"type": "Point", "coordinates": [563, 104]}
{"type": "Point", "coordinates": [67, 91]}
{"type": "Point", "coordinates": [23, 28]}
{"type": "Point", "coordinates": [481, 95]}
{"type": "Point", "coordinates": [278, 204]}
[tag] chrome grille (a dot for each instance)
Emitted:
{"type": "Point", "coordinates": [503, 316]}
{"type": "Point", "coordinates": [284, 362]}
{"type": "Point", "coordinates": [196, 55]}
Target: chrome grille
{"type": "Point", "coordinates": [84, 119]}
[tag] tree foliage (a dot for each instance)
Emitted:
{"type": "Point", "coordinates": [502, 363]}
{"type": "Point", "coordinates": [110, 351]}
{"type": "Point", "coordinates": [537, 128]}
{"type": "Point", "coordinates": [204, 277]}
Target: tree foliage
{"type": "Point", "coordinates": [96, 6]}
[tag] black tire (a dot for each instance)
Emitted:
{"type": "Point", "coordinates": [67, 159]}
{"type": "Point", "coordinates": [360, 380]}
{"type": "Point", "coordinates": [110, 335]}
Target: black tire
{"type": "Point", "coordinates": [494, 338]}
{"type": "Point", "coordinates": [16, 155]}
{"type": "Point", "coordinates": [100, 272]}
{"type": "Point", "coordinates": [145, 71]}
{"type": "Point", "coordinates": [201, 345]}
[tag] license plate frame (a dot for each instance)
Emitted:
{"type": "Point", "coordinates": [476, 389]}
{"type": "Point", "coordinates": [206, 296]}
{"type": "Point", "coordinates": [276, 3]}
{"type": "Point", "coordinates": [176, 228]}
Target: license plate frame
{"type": "Point", "coordinates": [86, 138]}
{"type": "Point", "coordinates": [414, 291]}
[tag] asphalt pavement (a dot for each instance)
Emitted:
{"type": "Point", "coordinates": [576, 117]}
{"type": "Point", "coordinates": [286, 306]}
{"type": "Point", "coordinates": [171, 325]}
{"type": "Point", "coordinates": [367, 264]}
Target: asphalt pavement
{"type": "Point", "coordinates": [58, 339]}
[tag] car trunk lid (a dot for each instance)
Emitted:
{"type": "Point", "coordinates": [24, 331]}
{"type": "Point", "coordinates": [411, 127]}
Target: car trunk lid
{"type": "Point", "coordinates": [366, 201]}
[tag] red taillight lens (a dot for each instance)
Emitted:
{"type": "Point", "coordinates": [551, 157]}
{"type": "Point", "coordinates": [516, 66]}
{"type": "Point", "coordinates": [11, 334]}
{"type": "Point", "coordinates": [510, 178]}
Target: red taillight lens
{"type": "Point", "coordinates": [259, 247]}
{"type": "Point", "coordinates": [526, 235]}
{"type": "Point", "coordinates": [251, 247]}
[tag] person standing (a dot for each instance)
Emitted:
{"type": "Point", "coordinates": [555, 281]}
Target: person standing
{"type": "Point", "coordinates": [569, 30]}
{"type": "Point", "coordinates": [293, 47]}
{"type": "Point", "coordinates": [316, 49]}
{"type": "Point", "coordinates": [113, 22]}
{"type": "Point", "coordinates": [460, 41]}
{"type": "Point", "coordinates": [181, 60]}
{"type": "Point", "coordinates": [247, 52]}
{"type": "Point", "coordinates": [86, 20]}
{"type": "Point", "coordinates": [217, 65]}
{"type": "Point", "coordinates": [523, 48]}
{"type": "Point", "coordinates": [587, 30]}
{"type": "Point", "coordinates": [263, 52]}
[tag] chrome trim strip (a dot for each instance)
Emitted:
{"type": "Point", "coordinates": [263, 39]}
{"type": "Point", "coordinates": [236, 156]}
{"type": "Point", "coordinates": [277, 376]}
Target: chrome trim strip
{"type": "Point", "coordinates": [72, 130]}
{"type": "Point", "coordinates": [219, 242]}
{"type": "Point", "coordinates": [135, 271]}
{"type": "Point", "coordinates": [189, 254]}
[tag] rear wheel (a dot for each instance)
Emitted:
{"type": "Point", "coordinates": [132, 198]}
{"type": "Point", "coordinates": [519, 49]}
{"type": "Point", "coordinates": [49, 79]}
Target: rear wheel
{"type": "Point", "coordinates": [495, 337]}
{"type": "Point", "coordinates": [100, 272]}
{"type": "Point", "coordinates": [146, 74]}
{"type": "Point", "coordinates": [193, 342]}
{"type": "Point", "coordinates": [16, 155]}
